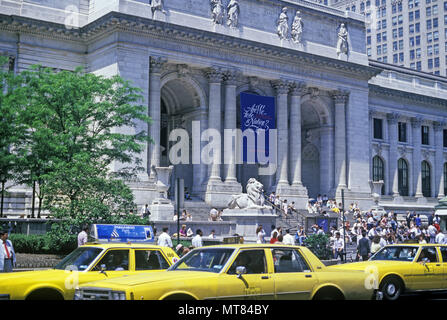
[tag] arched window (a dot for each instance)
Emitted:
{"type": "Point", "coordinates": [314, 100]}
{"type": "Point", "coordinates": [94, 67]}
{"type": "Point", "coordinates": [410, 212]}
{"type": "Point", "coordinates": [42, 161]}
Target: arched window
{"type": "Point", "coordinates": [445, 178]}
{"type": "Point", "coordinates": [426, 179]}
{"type": "Point", "coordinates": [378, 171]}
{"type": "Point", "coordinates": [402, 177]}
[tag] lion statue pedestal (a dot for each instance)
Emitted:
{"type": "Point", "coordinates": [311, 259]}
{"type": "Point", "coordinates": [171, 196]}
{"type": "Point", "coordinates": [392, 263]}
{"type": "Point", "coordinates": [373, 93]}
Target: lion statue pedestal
{"type": "Point", "coordinates": [248, 211]}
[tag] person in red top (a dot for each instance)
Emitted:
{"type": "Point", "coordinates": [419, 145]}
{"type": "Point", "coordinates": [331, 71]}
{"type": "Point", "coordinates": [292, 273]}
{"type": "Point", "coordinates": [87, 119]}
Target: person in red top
{"type": "Point", "coordinates": [274, 238]}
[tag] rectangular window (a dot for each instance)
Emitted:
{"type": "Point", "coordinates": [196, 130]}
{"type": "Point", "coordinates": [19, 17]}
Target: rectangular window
{"type": "Point", "coordinates": [400, 19]}
{"type": "Point", "coordinates": [383, 36]}
{"type": "Point", "coordinates": [434, 10]}
{"type": "Point", "coordinates": [401, 44]}
{"type": "Point", "coordinates": [379, 50]}
{"type": "Point", "coordinates": [418, 53]}
{"type": "Point", "coordinates": [412, 42]}
{"type": "Point", "coordinates": [418, 66]}
{"type": "Point", "coordinates": [383, 24]}
{"type": "Point", "coordinates": [368, 52]}
{"type": "Point", "coordinates": [395, 33]}
{"type": "Point", "coordinates": [418, 40]}
{"type": "Point", "coordinates": [410, 4]}
{"type": "Point", "coordinates": [413, 65]}
{"type": "Point", "coordinates": [417, 14]}
{"type": "Point", "coordinates": [384, 49]}
{"type": "Point", "coordinates": [411, 28]}
{"type": "Point", "coordinates": [410, 16]}
{"type": "Point", "coordinates": [436, 49]}
{"type": "Point", "coordinates": [412, 55]}
{"type": "Point", "coordinates": [417, 27]}
{"type": "Point", "coordinates": [368, 40]}
{"type": "Point", "coordinates": [393, 8]}
{"type": "Point", "coordinates": [395, 46]}
{"type": "Point", "coordinates": [428, 12]}
{"type": "Point", "coordinates": [379, 37]}
{"type": "Point", "coordinates": [401, 32]}
{"type": "Point", "coordinates": [402, 127]}
{"type": "Point", "coordinates": [435, 35]}
{"type": "Point", "coordinates": [385, 59]}
{"type": "Point", "coordinates": [430, 63]}
{"type": "Point", "coordinates": [437, 62]}
{"type": "Point", "coordinates": [428, 24]}
{"type": "Point", "coordinates": [401, 57]}
{"type": "Point", "coordinates": [394, 21]}
{"type": "Point", "coordinates": [378, 129]}
{"type": "Point", "coordinates": [384, 12]}
{"type": "Point", "coordinates": [429, 37]}
{"type": "Point", "coordinates": [430, 50]}
{"type": "Point", "coordinates": [425, 134]}
{"type": "Point", "coordinates": [399, 7]}
{"type": "Point", "coordinates": [445, 19]}
{"type": "Point", "coordinates": [435, 22]}
{"type": "Point", "coordinates": [444, 132]}
{"type": "Point", "coordinates": [416, 3]}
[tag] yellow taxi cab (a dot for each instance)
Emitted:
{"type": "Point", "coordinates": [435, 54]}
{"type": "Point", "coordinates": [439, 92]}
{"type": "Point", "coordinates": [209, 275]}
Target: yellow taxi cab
{"type": "Point", "coordinates": [240, 271]}
{"type": "Point", "coordinates": [400, 268]}
{"type": "Point", "coordinates": [90, 262]}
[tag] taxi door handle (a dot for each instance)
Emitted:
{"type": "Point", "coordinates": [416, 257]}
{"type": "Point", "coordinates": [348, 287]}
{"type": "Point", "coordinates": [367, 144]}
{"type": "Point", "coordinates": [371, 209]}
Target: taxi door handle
{"type": "Point", "coordinates": [308, 276]}
{"type": "Point", "coordinates": [438, 265]}
{"type": "Point", "coordinates": [265, 277]}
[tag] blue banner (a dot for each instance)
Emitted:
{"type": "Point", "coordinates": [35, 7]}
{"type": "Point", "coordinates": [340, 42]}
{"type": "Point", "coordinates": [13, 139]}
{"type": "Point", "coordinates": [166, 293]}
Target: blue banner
{"type": "Point", "coordinates": [257, 112]}
{"type": "Point", "coordinates": [123, 233]}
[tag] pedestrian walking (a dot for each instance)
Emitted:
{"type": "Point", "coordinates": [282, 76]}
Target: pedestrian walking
{"type": "Point", "coordinates": [288, 238]}
{"type": "Point", "coordinates": [260, 234]}
{"type": "Point", "coordinates": [83, 236]}
{"type": "Point", "coordinates": [7, 254]}
{"type": "Point", "coordinates": [197, 240]}
{"type": "Point", "coordinates": [164, 239]}
{"type": "Point", "coordinates": [338, 247]}
{"type": "Point", "coordinates": [363, 248]}
{"type": "Point", "coordinates": [145, 212]}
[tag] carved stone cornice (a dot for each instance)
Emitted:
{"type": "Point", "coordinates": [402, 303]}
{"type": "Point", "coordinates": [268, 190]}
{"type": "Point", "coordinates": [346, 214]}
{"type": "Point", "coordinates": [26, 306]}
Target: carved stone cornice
{"type": "Point", "coordinates": [281, 86]}
{"type": "Point", "coordinates": [215, 74]}
{"type": "Point", "coordinates": [404, 150]}
{"type": "Point", "coordinates": [298, 88]}
{"type": "Point", "coordinates": [163, 31]}
{"type": "Point", "coordinates": [427, 153]}
{"type": "Point", "coordinates": [392, 117]}
{"type": "Point", "coordinates": [340, 96]}
{"type": "Point", "coordinates": [157, 64]}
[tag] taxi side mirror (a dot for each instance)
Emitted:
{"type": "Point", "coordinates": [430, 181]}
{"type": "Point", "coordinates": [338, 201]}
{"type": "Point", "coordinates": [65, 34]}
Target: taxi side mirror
{"type": "Point", "coordinates": [103, 269]}
{"type": "Point", "coordinates": [240, 271]}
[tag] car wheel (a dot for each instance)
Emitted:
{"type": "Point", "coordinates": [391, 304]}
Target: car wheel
{"type": "Point", "coordinates": [391, 289]}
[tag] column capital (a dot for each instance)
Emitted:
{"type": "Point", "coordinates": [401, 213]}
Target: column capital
{"type": "Point", "coordinates": [340, 96]}
{"type": "Point", "coordinates": [392, 117]}
{"type": "Point", "coordinates": [281, 86]}
{"type": "Point", "coordinates": [157, 64]}
{"type": "Point", "coordinates": [298, 88]}
{"type": "Point", "coordinates": [438, 125]}
{"type": "Point", "coordinates": [215, 74]}
{"type": "Point", "coordinates": [416, 122]}
{"type": "Point", "coordinates": [231, 76]}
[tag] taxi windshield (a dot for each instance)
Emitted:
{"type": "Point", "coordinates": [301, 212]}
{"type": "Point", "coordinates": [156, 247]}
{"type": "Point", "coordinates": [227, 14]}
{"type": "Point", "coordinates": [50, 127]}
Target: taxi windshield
{"type": "Point", "coordinates": [397, 253]}
{"type": "Point", "coordinates": [208, 260]}
{"type": "Point", "coordinates": [79, 259]}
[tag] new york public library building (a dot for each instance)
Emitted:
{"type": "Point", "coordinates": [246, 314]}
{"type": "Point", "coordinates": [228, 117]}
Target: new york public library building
{"type": "Point", "coordinates": [342, 120]}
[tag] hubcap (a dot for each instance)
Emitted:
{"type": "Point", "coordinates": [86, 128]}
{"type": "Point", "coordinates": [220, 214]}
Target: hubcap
{"type": "Point", "coordinates": [391, 289]}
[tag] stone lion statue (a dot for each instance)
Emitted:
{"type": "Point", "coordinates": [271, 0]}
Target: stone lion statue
{"type": "Point", "coordinates": [254, 198]}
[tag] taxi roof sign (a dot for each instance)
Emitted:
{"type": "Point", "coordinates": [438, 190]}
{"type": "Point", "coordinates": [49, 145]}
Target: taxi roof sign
{"type": "Point", "coordinates": [122, 233]}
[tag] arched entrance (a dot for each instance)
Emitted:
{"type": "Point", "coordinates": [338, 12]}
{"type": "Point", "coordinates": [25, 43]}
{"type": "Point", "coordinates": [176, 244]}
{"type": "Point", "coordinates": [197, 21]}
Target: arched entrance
{"type": "Point", "coordinates": [317, 141]}
{"type": "Point", "coordinates": [182, 102]}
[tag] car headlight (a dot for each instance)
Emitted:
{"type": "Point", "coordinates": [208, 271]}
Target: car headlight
{"type": "Point", "coordinates": [118, 295]}
{"type": "Point", "coordinates": [77, 295]}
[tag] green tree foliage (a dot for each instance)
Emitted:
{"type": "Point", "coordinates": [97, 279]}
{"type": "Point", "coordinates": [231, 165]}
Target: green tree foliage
{"type": "Point", "coordinates": [319, 245]}
{"type": "Point", "coordinates": [78, 149]}
{"type": "Point", "coordinates": [12, 100]}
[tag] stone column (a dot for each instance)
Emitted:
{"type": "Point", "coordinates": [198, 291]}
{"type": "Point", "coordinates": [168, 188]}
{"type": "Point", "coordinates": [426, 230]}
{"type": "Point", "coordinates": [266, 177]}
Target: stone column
{"type": "Point", "coordinates": [230, 121]}
{"type": "Point", "coordinates": [439, 158]}
{"type": "Point", "coordinates": [417, 177]}
{"type": "Point", "coordinates": [295, 133]}
{"type": "Point", "coordinates": [215, 76]}
{"type": "Point", "coordinates": [282, 89]}
{"type": "Point", "coordinates": [340, 98]}
{"type": "Point", "coordinates": [156, 66]}
{"type": "Point", "coordinates": [327, 161]}
{"type": "Point", "coordinates": [393, 181]}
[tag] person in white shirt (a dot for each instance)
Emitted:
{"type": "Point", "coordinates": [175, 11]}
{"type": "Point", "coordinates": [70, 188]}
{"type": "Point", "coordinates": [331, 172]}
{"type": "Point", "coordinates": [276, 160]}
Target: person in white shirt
{"type": "Point", "coordinates": [288, 238]}
{"type": "Point", "coordinates": [212, 234]}
{"type": "Point", "coordinates": [372, 232]}
{"type": "Point", "coordinates": [440, 238]}
{"type": "Point", "coordinates": [197, 240]}
{"type": "Point", "coordinates": [382, 242]}
{"type": "Point", "coordinates": [432, 233]}
{"type": "Point", "coordinates": [7, 254]}
{"type": "Point", "coordinates": [285, 207]}
{"type": "Point", "coordinates": [273, 231]}
{"type": "Point", "coordinates": [338, 247]}
{"type": "Point", "coordinates": [164, 240]}
{"type": "Point", "coordinates": [260, 234]}
{"type": "Point", "coordinates": [82, 236]}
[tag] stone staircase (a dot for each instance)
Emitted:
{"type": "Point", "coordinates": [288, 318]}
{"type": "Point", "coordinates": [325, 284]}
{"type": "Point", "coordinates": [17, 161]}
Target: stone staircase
{"type": "Point", "coordinates": [199, 210]}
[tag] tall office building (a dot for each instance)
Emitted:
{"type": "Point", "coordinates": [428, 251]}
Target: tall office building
{"type": "Point", "coordinates": [408, 33]}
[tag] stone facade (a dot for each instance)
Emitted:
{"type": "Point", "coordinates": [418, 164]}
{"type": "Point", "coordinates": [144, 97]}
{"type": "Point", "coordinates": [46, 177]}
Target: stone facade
{"type": "Point", "coordinates": [191, 68]}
